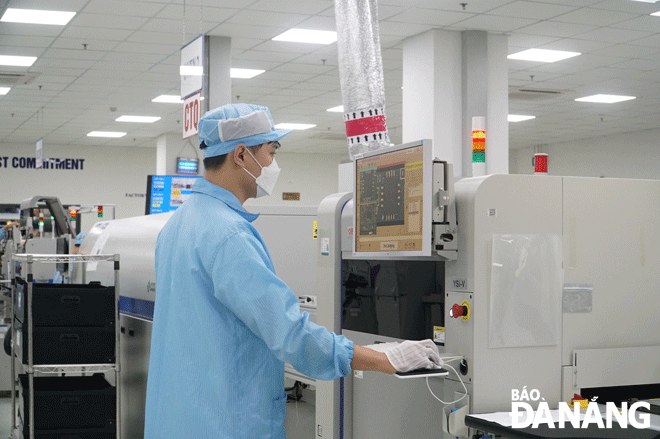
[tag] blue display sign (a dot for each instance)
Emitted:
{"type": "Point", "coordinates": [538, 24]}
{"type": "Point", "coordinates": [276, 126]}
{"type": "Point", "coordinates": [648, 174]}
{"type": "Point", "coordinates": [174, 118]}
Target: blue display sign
{"type": "Point", "coordinates": [187, 166]}
{"type": "Point", "coordinates": [166, 193]}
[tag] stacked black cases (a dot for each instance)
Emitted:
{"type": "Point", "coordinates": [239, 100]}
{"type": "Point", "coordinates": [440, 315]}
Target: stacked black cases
{"type": "Point", "coordinates": [72, 324]}
{"type": "Point", "coordinates": [72, 407]}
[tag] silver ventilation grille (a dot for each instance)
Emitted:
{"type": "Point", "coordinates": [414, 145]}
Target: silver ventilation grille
{"type": "Point", "coordinates": [8, 79]}
{"type": "Point", "coordinates": [532, 94]}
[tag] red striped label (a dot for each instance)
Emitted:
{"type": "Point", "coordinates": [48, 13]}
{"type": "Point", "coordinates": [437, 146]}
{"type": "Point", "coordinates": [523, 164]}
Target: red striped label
{"type": "Point", "coordinates": [365, 125]}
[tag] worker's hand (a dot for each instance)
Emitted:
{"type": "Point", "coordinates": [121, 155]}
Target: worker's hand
{"type": "Point", "coordinates": [411, 355]}
{"type": "Point", "coordinates": [8, 225]}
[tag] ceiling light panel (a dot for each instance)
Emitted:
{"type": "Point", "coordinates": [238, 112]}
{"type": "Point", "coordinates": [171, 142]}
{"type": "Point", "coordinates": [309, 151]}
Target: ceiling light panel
{"type": "Point", "coordinates": [4, 90]}
{"type": "Point", "coordinates": [37, 16]}
{"type": "Point", "coordinates": [138, 119]}
{"type": "Point", "coordinates": [17, 61]}
{"type": "Point", "coordinates": [542, 55]}
{"type": "Point", "coordinates": [294, 126]}
{"type": "Point", "coordinates": [168, 99]}
{"type": "Point", "coordinates": [519, 118]}
{"type": "Point", "coordinates": [244, 73]}
{"type": "Point", "coordinates": [115, 134]}
{"type": "Point", "coordinates": [296, 35]}
{"type": "Point", "coordinates": [339, 109]}
{"type": "Point", "coordinates": [657, 14]}
{"type": "Point", "coordinates": [605, 99]}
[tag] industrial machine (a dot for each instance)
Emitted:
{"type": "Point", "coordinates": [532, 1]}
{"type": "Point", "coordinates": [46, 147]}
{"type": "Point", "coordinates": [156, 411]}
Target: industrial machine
{"type": "Point", "coordinates": [41, 227]}
{"type": "Point", "coordinates": [289, 234]}
{"type": "Point", "coordinates": [528, 279]}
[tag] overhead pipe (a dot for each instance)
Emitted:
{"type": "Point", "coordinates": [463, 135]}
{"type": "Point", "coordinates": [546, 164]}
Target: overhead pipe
{"type": "Point", "coordinates": [361, 75]}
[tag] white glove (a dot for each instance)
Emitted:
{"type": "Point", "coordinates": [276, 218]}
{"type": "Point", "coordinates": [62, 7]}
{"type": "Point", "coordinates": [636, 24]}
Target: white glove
{"type": "Point", "coordinates": [411, 355]}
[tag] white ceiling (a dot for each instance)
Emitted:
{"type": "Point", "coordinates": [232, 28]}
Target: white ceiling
{"type": "Point", "coordinates": [132, 56]}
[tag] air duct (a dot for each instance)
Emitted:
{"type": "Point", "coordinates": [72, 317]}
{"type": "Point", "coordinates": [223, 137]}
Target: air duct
{"type": "Point", "coordinates": [361, 75]}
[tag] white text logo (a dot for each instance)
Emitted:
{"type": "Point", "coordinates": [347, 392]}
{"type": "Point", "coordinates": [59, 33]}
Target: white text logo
{"type": "Point", "coordinates": [523, 415]}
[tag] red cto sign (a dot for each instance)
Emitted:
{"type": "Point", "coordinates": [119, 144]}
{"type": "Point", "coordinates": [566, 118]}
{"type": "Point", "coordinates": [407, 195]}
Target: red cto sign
{"type": "Point", "coordinates": [191, 114]}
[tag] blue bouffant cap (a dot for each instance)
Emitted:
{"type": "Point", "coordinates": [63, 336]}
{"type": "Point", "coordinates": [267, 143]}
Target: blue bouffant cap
{"type": "Point", "coordinates": [226, 127]}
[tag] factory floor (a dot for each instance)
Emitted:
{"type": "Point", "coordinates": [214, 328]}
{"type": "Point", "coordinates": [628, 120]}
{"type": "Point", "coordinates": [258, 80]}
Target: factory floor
{"type": "Point", "coordinates": [5, 418]}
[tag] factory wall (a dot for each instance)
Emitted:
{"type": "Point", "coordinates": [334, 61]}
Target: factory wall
{"type": "Point", "coordinates": [118, 175]}
{"type": "Point", "coordinates": [630, 155]}
{"type": "Point", "coordinates": [314, 176]}
{"type": "Point", "coordinates": [79, 175]}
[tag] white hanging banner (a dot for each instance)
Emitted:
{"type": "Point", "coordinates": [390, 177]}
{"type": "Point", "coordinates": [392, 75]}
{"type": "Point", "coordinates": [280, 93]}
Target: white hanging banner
{"type": "Point", "coordinates": [192, 108]}
{"type": "Point", "coordinates": [40, 154]}
{"type": "Point", "coordinates": [192, 67]}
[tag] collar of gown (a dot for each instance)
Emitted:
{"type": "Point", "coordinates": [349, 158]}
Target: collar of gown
{"type": "Point", "coordinates": [204, 186]}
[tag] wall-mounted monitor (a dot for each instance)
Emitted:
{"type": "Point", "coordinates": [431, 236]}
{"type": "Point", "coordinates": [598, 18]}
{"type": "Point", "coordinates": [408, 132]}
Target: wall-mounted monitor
{"type": "Point", "coordinates": [167, 192]}
{"type": "Point", "coordinates": [392, 198]}
{"type": "Point", "coordinates": [187, 166]}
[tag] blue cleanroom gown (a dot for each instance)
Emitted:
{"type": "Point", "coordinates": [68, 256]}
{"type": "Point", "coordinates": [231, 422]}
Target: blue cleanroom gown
{"type": "Point", "coordinates": [3, 233]}
{"type": "Point", "coordinates": [224, 324]}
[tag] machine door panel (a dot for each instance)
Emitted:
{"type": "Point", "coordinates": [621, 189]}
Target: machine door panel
{"type": "Point", "coordinates": [386, 407]}
{"type": "Point", "coordinates": [611, 262]}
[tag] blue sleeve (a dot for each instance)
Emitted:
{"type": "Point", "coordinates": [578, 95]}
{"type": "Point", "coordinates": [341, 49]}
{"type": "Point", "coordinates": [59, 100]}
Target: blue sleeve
{"type": "Point", "coordinates": [244, 282]}
{"type": "Point", "coordinates": [3, 233]}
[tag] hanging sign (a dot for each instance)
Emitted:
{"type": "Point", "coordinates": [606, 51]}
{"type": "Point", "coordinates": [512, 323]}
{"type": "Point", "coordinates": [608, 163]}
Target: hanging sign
{"type": "Point", "coordinates": [191, 113]}
{"type": "Point", "coordinates": [192, 67]}
{"type": "Point", "coordinates": [40, 153]}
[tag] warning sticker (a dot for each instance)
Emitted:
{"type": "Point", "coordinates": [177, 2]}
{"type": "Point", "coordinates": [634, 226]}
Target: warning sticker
{"type": "Point", "coordinates": [439, 334]}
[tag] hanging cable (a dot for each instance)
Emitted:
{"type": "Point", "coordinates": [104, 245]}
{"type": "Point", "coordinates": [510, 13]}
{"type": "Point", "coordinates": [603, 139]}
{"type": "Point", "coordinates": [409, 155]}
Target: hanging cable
{"type": "Point", "coordinates": [183, 30]}
{"type": "Point", "coordinates": [447, 360]}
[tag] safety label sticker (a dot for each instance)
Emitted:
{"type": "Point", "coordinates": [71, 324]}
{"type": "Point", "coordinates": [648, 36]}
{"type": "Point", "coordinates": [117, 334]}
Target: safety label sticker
{"type": "Point", "coordinates": [325, 246]}
{"type": "Point", "coordinates": [439, 334]}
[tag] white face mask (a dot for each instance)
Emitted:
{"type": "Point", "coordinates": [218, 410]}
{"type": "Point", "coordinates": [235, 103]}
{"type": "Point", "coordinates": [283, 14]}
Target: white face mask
{"type": "Point", "coordinates": [266, 181]}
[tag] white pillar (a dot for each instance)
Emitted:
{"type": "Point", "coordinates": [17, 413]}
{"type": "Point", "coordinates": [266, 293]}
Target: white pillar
{"type": "Point", "coordinates": [497, 124]}
{"type": "Point", "coordinates": [449, 77]}
{"type": "Point", "coordinates": [432, 92]}
{"type": "Point", "coordinates": [168, 147]}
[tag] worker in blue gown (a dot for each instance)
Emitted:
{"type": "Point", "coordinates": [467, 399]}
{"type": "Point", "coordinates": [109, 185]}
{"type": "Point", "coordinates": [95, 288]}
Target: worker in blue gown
{"type": "Point", "coordinates": [6, 228]}
{"type": "Point", "coordinates": [224, 323]}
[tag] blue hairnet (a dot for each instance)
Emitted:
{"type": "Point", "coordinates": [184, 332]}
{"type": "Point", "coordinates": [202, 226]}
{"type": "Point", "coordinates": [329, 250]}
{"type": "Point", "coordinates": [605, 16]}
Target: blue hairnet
{"type": "Point", "coordinates": [80, 237]}
{"type": "Point", "coordinates": [226, 127]}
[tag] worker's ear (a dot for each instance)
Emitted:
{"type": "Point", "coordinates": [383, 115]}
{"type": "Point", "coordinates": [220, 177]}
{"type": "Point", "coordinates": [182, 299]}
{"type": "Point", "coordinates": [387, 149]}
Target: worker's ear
{"type": "Point", "coordinates": [239, 154]}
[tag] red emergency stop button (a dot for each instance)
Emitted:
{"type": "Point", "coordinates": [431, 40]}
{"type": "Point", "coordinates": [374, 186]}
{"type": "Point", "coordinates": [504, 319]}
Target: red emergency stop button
{"type": "Point", "coordinates": [457, 311]}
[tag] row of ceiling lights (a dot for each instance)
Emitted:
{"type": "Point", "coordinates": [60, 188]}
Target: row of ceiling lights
{"type": "Point", "coordinates": [550, 56]}
{"type": "Point", "coordinates": [61, 18]}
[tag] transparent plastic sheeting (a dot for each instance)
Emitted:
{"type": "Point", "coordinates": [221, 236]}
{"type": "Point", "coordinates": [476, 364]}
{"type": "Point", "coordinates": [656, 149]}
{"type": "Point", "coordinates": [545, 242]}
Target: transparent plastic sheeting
{"type": "Point", "coordinates": [361, 72]}
{"type": "Point", "coordinates": [525, 291]}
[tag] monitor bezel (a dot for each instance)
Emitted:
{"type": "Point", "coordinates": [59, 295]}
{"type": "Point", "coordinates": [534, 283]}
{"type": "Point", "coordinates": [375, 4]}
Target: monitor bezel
{"type": "Point", "coordinates": [427, 208]}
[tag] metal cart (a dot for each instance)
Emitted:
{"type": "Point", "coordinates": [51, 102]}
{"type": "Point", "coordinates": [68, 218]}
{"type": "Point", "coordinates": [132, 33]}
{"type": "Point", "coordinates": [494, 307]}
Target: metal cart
{"type": "Point", "coordinates": [30, 368]}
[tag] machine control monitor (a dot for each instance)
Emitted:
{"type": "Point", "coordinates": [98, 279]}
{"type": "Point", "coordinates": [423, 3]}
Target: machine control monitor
{"type": "Point", "coordinates": [392, 201]}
